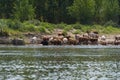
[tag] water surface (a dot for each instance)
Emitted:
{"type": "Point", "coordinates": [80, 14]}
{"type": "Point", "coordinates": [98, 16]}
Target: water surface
{"type": "Point", "coordinates": [34, 62]}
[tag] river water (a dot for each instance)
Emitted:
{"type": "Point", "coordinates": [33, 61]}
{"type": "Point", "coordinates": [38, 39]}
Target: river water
{"type": "Point", "coordinates": [34, 62]}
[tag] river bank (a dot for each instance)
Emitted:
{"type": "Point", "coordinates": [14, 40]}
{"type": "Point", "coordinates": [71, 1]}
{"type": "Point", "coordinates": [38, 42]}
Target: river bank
{"type": "Point", "coordinates": [27, 38]}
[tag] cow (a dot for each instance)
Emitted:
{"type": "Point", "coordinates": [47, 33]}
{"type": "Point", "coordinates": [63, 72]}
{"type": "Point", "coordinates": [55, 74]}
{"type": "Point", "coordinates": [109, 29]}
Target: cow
{"type": "Point", "coordinates": [84, 40]}
{"type": "Point", "coordinates": [45, 40]}
{"type": "Point", "coordinates": [34, 40]}
{"type": "Point", "coordinates": [117, 40]}
{"type": "Point", "coordinates": [55, 40]}
{"type": "Point", "coordinates": [93, 37]}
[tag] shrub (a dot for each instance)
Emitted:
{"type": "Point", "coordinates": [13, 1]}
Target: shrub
{"type": "Point", "coordinates": [48, 26]}
{"type": "Point", "coordinates": [3, 23]}
{"type": "Point", "coordinates": [14, 24]}
{"type": "Point", "coordinates": [77, 32]}
{"type": "Point", "coordinates": [111, 23]}
{"type": "Point", "coordinates": [86, 28]}
{"type": "Point", "coordinates": [64, 32]}
{"type": "Point", "coordinates": [77, 26]}
{"type": "Point", "coordinates": [68, 28]}
{"type": "Point", "coordinates": [61, 25]}
{"type": "Point", "coordinates": [34, 22]}
{"type": "Point", "coordinates": [3, 28]}
{"type": "Point", "coordinates": [29, 27]}
{"type": "Point", "coordinates": [111, 30]}
{"type": "Point", "coordinates": [42, 29]}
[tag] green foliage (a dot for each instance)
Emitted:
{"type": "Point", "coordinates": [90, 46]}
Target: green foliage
{"type": "Point", "coordinates": [77, 26]}
{"type": "Point", "coordinates": [23, 10]}
{"type": "Point", "coordinates": [35, 22]}
{"type": "Point", "coordinates": [14, 24]}
{"type": "Point", "coordinates": [7, 27]}
{"type": "Point", "coordinates": [4, 32]}
{"type": "Point", "coordinates": [48, 26]}
{"type": "Point", "coordinates": [6, 8]}
{"type": "Point", "coordinates": [99, 12]}
{"type": "Point", "coordinates": [58, 11]}
{"type": "Point", "coordinates": [110, 29]}
{"type": "Point", "coordinates": [95, 11]}
{"type": "Point", "coordinates": [3, 23]}
{"type": "Point", "coordinates": [54, 11]}
{"type": "Point", "coordinates": [12, 27]}
{"type": "Point", "coordinates": [61, 25]}
{"type": "Point", "coordinates": [77, 32]}
{"type": "Point", "coordinates": [111, 10]}
{"type": "Point", "coordinates": [82, 10]}
{"type": "Point", "coordinates": [64, 32]}
{"type": "Point", "coordinates": [68, 28]}
{"type": "Point", "coordinates": [86, 28]}
{"type": "Point", "coordinates": [42, 29]}
{"type": "Point", "coordinates": [3, 26]}
{"type": "Point", "coordinates": [28, 27]}
{"type": "Point", "coordinates": [111, 23]}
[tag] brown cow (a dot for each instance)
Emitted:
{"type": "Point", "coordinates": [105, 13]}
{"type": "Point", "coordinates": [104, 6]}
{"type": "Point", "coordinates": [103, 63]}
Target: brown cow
{"type": "Point", "coordinates": [93, 37]}
{"type": "Point", "coordinates": [83, 40]}
{"type": "Point", "coordinates": [117, 40]}
{"type": "Point", "coordinates": [55, 41]}
{"type": "Point", "coordinates": [71, 41]}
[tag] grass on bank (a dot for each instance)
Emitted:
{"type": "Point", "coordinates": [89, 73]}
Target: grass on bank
{"type": "Point", "coordinates": [15, 28]}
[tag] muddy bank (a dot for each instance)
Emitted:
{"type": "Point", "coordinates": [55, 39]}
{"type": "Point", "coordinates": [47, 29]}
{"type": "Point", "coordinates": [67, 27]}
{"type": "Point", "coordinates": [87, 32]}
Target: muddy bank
{"type": "Point", "coordinates": [27, 39]}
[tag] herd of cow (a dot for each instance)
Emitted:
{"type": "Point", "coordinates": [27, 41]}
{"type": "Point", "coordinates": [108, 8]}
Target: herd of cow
{"type": "Point", "coordinates": [89, 38]}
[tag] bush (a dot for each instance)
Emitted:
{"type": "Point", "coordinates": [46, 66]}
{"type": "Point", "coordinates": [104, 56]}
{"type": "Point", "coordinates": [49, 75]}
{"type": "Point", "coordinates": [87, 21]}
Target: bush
{"type": "Point", "coordinates": [77, 26]}
{"type": "Point", "coordinates": [111, 23]}
{"type": "Point", "coordinates": [42, 29]}
{"type": "Point", "coordinates": [86, 28]}
{"type": "Point", "coordinates": [3, 28]}
{"type": "Point", "coordinates": [4, 33]}
{"type": "Point", "coordinates": [61, 25]}
{"type": "Point", "coordinates": [64, 32]}
{"type": "Point", "coordinates": [14, 24]}
{"type": "Point", "coordinates": [111, 30]}
{"type": "Point", "coordinates": [29, 27]}
{"type": "Point", "coordinates": [68, 28]}
{"type": "Point", "coordinates": [34, 22]}
{"type": "Point", "coordinates": [3, 23]}
{"type": "Point", "coordinates": [48, 26]}
{"type": "Point", "coordinates": [77, 32]}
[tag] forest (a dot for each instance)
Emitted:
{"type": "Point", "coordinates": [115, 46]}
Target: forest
{"type": "Point", "coordinates": [57, 11]}
{"type": "Point", "coordinates": [25, 15]}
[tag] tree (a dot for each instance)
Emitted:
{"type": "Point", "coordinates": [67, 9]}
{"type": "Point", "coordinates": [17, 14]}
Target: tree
{"type": "Point", "coordinates": [99, 12]}
{"type": "Point", "coordinates": [82, 10]}
{"type": "Point", "coordinates": [23, 10]}
{"type": "Point", "coordinates": [111, 10]}
{"type": "Point", "coordinates": [54, 11]}
{"type": "Point", "coordinates": [6, 7]}
{"type": "Point", "coordinates": [119, 12]}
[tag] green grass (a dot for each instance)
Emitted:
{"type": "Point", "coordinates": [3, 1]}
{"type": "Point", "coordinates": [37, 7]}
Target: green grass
{"type": "Point", "coordinates": [13, 27]}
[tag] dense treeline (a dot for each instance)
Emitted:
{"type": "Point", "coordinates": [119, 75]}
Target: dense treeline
{"type": "Point", "coordinates": [57, 11]}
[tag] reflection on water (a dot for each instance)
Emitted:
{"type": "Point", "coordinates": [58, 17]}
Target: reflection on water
{"type": "Point", "coordinates": [59, 63]}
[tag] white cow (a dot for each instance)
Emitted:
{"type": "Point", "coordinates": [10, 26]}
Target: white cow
{"type": "Point", "coordinates": [34, 40]}
{"type": "Point", "coordinates": [103, 37]}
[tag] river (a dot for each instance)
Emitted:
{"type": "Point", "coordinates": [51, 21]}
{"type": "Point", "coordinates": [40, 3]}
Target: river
{"type": "Point", "coordinates": [34, 62]}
